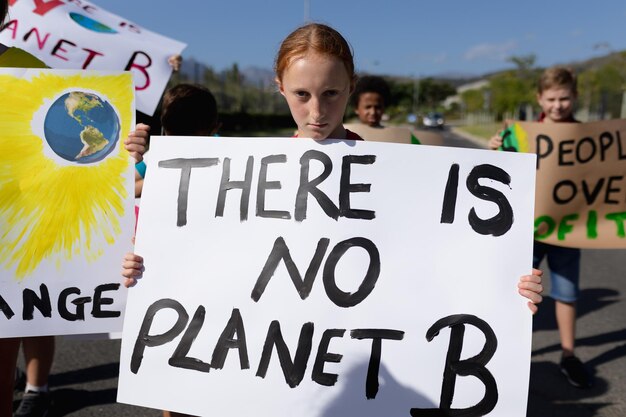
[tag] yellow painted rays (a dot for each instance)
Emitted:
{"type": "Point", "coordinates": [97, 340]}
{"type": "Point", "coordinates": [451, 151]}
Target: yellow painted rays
{"type": "Point", "coordinates": [52, 209]}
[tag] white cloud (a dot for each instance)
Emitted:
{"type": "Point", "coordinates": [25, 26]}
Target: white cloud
{"type": "Point", "coordinates": [491, 51]}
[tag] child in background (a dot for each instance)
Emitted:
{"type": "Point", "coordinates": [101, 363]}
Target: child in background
{"type": "Point", "coordinates": [187, 110]}
{"type": "Point", "coordinates": [315, 73]}
{"type": "Point", "coordinates": [556, 94]}
{"type": "Point", "coordinates": [369, 99]}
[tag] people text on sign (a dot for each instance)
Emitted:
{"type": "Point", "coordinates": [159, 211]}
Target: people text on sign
{"type": "Point", "coordinates": [570, 152]}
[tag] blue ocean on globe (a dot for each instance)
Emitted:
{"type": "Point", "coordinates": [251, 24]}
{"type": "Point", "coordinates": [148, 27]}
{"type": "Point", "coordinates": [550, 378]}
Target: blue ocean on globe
{"type": "Point", "coordinates": [90, 24]}
{"type": "Point", "coordinates": [81, 127]}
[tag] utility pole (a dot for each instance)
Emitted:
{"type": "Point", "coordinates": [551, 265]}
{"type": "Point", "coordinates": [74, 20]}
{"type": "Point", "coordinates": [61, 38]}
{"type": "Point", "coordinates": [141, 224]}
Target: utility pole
{"type": "Point", "coordinates": [307, 11]}
{"type": "Point", "coordinates": [416, 96]}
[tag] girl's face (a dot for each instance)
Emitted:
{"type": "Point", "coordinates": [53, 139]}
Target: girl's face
{"type": "Point", "coordinates": [317, 88]}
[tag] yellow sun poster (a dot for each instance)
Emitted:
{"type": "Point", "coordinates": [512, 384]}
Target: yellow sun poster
{"type": "Point", "coordinates": [66, 200]}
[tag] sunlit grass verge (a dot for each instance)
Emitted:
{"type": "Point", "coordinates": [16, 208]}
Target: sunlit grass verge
{"type": "Point", "coordinates": [483, 131]}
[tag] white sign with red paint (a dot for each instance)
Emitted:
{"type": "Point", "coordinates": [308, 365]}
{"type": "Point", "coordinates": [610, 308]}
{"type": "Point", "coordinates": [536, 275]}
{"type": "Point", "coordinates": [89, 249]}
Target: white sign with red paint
{"type": "Point", "coordinates": [76, 34]}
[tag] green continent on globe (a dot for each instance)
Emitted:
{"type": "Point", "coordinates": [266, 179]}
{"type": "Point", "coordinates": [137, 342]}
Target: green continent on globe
{"type": "Point", "coordinates": [93, 140]}
{"type": "Point", "coordinates": [83, 102]}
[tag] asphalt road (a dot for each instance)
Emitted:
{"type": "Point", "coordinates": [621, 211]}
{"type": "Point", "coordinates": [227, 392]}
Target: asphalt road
{"type": "Point", "coordinates": [84, 375]}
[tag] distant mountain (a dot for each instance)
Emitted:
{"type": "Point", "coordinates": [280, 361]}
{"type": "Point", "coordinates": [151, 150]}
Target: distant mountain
{"type": "Point", "coordinates": [597, 62]}
{"type": "Point", "coordinates": [193, 69]}
{"type": "Point", "coordinates": [256, 76]}
{"type": "Point", "coordinates": [578, 66]}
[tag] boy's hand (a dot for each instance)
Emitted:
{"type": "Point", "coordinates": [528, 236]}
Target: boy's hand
{"type": "Point", "coordinates": [132, 269]}
{"type": "Point", "coordinates": [529, 286]}
{"type": "Point", "coordinates": [495, 142]}
{"type": "Point", "coordinates": [136, 141]}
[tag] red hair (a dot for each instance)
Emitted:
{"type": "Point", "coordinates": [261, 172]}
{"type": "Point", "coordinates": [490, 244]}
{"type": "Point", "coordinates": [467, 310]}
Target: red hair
{"type": "Point", "coordinates": [318, 38]}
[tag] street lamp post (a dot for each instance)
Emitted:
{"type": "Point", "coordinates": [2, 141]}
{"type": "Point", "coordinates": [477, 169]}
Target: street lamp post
{"type": "Point", "coordinates": [415, 98]}
{"type": "Point", "coordinates": [307, 11]}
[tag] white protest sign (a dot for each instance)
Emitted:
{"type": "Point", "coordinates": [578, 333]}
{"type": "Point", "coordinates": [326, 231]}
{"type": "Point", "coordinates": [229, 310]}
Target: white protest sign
{"type": "Point", "coordinates": [66, 202]}
{"type": "Point", "coordinates": [80, 35]}
{"type": "Point", "coordinates": [290, 277]}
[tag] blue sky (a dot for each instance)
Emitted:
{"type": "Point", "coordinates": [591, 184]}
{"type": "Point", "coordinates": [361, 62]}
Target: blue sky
{"type": "Point", "coordinates": [396, 37]}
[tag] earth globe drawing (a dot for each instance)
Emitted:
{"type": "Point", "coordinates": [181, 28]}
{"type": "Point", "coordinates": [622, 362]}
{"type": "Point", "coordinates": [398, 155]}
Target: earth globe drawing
{"type": "Point", "coordinates": [81, 127]}
{"type": "Point", "coordinates": [90, 24]}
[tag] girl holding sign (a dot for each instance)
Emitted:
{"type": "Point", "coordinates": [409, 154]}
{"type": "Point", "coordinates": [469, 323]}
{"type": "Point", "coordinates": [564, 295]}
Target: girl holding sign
{"type": "Point", "coordinates": [38, 351]}
{"type": "Point", "coordinates": [315, 73]}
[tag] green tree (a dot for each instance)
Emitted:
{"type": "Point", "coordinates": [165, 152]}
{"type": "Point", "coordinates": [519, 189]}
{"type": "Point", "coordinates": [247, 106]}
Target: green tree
{"type": "Point", "coordinates": [601, 89]}
{"type": "Point", "coordinates": [509, 92]}
{"type": "Point", "coordinates": [524, 65]}
{"type": "Point", "coordinates": [513, 89]}
{"type": "Point", "coordinates": [233, 89]}
{"type": "Point", "coordinates": [474, 100]}
{"type": "Point", "coordinates": [432, 92]}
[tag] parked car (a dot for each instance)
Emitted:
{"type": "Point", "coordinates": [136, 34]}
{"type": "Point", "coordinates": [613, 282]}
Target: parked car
{"type": "Point", "coordinates": [434, 120]}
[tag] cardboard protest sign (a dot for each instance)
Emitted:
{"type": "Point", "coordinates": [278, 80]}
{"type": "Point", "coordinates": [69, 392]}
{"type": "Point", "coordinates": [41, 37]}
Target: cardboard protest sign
{"type": "Point", "coordinates": [581, 171]}
{"type": "Point", "coordinates": [80, 35]}
{"type": "Point", "coordinates": [66, 202]}
{"type": "Point", "coordinates": [394, 134]}
{"type": "Point", "coordinates": [428, 137]}
{"type": "Point", "coordinates": [291, 277]}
